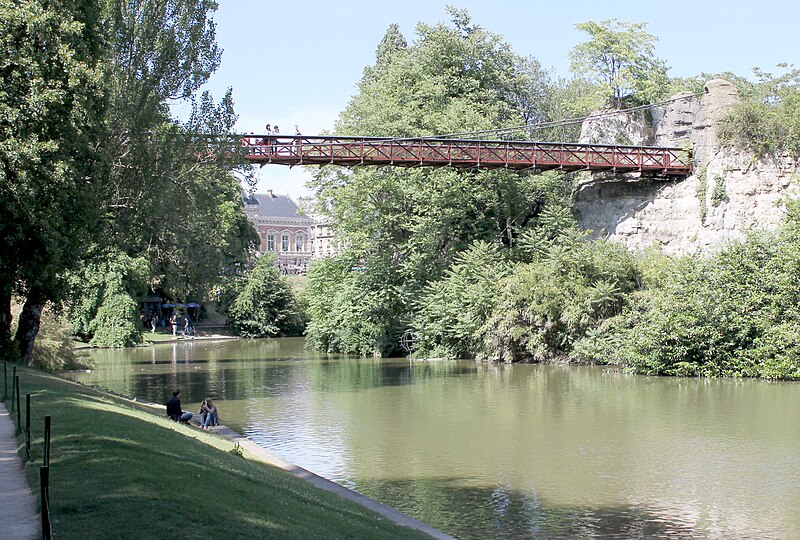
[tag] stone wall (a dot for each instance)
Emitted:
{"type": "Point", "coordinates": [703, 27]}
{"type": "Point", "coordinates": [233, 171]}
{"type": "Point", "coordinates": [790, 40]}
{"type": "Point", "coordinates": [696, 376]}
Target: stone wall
{"type": "Point", "coordinates": [729, 193]}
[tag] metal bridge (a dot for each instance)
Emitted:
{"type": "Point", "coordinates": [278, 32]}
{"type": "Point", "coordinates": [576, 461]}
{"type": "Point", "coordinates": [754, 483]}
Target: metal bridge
{"type": "Point", "coordinates": [463, 153]}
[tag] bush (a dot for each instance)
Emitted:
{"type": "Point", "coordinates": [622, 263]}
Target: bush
{"type": "Point", "coordinates": [452, 310]}
{"type": "Point", "coordinates": [53, 350]}
{"type": "Point", "coordinates": [265, 305]}
{"type": "Point", "coordinates": [117, 323]}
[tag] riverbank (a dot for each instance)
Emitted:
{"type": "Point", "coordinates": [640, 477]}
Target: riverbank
{"type": "Point", "coordinates": [119, 469]}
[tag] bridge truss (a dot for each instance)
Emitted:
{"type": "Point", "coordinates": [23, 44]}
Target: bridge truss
{"type": "Point", "coordinates": [469, 154]}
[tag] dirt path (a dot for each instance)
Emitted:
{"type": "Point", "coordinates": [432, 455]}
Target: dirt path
{"type": "Point", "coordinates": [18, 519]}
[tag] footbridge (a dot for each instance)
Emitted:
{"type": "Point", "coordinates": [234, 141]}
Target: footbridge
{"type": "Point", "coordinates": [465, 153]}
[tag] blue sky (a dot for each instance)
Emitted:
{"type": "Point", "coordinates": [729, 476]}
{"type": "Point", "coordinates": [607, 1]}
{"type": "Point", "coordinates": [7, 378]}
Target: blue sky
{"type": "Point", "coordinates": [298, 62]}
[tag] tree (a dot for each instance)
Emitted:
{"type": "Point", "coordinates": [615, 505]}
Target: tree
{"type": "Point", "coordinates": [265, 305]}
{"type": "Point", "coordinates": [169, 196]}
{"type": "Point", "coordinates": [403, 227]}
{"type": "Point", "coordinates": [51, 108]}
{"type": "Point", "coordinates": [620, 56]}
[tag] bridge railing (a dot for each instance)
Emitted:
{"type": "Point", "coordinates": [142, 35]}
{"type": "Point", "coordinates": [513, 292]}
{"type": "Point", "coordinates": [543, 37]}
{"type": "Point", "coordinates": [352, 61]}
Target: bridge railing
{"type": "Point", "coordinates": [519, 155]}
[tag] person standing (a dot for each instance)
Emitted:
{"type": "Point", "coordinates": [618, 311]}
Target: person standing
{"type": "Point", "coordinates": [275, 131]}
{"type": "Point", "coordinates": [174, 410]}
{"type": "Point", "coordinates": [173, 321]}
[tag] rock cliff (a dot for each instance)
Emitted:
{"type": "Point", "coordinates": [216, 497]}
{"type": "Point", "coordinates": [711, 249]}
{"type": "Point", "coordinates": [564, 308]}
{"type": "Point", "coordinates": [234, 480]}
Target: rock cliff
{"type": "Point", "coordinates": [729, 193]}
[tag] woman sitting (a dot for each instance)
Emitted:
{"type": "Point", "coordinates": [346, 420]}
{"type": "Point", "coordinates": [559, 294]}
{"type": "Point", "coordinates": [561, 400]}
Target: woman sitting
{"type": "Point", "coordinates": [208, 414]}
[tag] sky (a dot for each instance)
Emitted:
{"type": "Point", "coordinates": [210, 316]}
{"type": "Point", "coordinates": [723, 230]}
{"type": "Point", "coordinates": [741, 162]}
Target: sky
{"type": "Point", "coordinates": [299, 62]}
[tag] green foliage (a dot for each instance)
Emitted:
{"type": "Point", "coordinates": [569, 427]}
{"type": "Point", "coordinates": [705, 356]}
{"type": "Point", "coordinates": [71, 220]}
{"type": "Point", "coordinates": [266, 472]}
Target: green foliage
{"type": "Point", "coordinates": [733, 314]}
{"type": "Point", "coordinates": [51, 105]}
{"type": "Point", "coordinates": [702, 193]}
{"type": "Point", "coordinates": [767, 121]}
{"type": "Point", "coordinates": [719, 195]}
{"type": "Point", "coordinates": [265, 305]}
{"type": "Point", "coordinates": [453, 309]}
{"type": "Point", "coordinates": [569, 287]}
{"type": "Point", "coordinates": [406, 226]}
{"type": "Point", "coordinates": [354, 307]}
{"type": "Point", "coordinates": [620, 56]}
{"type": "Point", "coordinates": [54, 350]}
{"type": "Point", "coordinates": [117, 323]}
{"type": "Point", "coordinates": [95, 300]}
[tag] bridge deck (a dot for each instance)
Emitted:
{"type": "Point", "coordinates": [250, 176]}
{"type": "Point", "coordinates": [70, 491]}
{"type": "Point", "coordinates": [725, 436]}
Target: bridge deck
{"type": "Point", "coordinates": [518, 155]}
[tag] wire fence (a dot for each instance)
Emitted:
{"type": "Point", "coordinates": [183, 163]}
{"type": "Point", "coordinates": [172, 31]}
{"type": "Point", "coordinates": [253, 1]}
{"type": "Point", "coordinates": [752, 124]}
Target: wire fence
{"type": "Point", "coordinates": [44, 468]}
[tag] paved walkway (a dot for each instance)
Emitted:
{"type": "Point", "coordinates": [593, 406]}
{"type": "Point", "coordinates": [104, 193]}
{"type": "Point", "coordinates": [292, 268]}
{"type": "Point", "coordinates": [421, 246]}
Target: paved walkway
{"type": "Point", "coordinates": [18, 517]}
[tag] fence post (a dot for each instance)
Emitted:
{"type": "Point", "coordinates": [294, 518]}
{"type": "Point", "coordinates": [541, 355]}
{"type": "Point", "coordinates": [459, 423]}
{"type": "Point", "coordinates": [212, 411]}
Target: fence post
{"type": "Point", "coordinates": [46, 453]}
{"type": "Point", "coordinates": [28, 425]}
{"type": "Point", "coordinates": [19, 412]}
{"type": "Point", "coordinates": [13, 377]}
{"type": "Point", "coordinates": [44, 493]}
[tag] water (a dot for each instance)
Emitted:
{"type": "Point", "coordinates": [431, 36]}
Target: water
{"type": "Point", "coordinates": [485, 451]}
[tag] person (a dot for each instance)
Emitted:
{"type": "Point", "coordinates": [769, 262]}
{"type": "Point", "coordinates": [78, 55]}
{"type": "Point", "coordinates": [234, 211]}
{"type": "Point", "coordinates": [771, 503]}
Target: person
{"type": "Point", "coordinates": [210, 417]}
{"type": "Point", "coordinates": [275, 131]}
{"type": "Point", "coordinates": [173, 321]}
{"type": "Point", "coordinates": [153, 322]}
{"type": "Point", "coordinates": [174, 410]}
{"type": "Point", "coordinates": [187, 326]}
{"type": "Point", "coordinates": [298, 144]}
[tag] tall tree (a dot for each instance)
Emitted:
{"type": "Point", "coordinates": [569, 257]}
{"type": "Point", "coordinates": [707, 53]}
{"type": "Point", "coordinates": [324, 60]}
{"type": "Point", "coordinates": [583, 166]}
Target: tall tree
{"type": "Point", "coordinates": [170, 196]}
{"type": "Point", "coordinates": [404, 226]}
{"type": "Point", "coordinates": [51, 108]}
{"type": "Point", "coordinates": [620, 56]}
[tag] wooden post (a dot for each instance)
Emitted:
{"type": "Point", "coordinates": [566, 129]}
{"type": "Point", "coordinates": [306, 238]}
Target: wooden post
{"type": "Point", "coordinates": [44, 493]}
{"type": "Point", "coordinates": [13, 376]}
{"type": "Point", "coordinates": [28, 425]}
{"type": "Point", "coordinates": [19, 412]}
{"type": "Point", "coordinates": [46, 453]}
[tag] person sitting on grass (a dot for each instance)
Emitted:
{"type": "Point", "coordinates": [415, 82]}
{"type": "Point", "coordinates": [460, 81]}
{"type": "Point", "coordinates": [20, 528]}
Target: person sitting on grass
{"type": "Point", "coordinates": [174, 410]}
{"type": "Point", "coordinates": [208, 414]}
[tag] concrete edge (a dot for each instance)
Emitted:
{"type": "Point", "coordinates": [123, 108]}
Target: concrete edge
{"type": "Point", "coordinates": [265, 456]}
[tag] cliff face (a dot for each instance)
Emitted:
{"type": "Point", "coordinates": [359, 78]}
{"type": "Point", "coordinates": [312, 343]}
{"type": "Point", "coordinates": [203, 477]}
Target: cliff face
{"type": "Point", "coordinates": [729, 193]}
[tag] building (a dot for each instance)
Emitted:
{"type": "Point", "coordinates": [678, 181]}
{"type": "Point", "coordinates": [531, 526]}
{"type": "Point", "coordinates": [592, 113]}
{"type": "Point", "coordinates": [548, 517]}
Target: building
{"type": "Point", "coordinates": [283, 229]}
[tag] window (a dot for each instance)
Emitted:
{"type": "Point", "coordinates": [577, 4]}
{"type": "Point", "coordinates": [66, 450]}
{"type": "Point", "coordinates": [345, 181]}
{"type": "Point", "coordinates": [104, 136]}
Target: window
{"type": "Point", "coordinates": [270, 242]}
{"type": "Point", "coordinates": [285, 242]}
{"type": "Point", "coordinates": [298, 241]}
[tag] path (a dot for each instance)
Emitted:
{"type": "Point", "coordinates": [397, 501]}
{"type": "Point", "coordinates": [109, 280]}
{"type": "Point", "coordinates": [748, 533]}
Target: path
{"type": "Point", "coordinates": [18, 517]}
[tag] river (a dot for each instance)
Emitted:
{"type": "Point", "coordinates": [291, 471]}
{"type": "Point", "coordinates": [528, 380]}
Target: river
{"type": "Point", "coordinates": [499, 451]}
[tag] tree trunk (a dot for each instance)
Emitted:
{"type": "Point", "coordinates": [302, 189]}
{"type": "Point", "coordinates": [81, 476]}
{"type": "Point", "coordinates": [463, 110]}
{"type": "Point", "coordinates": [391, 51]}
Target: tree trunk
{"type": "Point", "coordinates": [6, 346]}
{"type": "Point", "coordinates": [28, 327]}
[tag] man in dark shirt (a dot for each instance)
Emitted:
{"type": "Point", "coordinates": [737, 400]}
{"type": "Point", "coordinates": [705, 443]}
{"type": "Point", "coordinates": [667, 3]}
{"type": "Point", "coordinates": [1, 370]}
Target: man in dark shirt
{"type": "Point", "coordinates": [174, 408]}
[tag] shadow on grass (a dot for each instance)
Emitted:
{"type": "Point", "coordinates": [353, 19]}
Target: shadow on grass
{"type": "Point", "coordinates": [117, 471]}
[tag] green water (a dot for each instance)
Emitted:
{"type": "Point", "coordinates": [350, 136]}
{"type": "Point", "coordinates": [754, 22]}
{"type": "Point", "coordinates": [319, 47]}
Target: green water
{"type": "Point", "coordinates": [484, 451]}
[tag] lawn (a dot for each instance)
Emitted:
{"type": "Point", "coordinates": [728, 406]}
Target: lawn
{"type": "Point", "coordinates": [119, 470]}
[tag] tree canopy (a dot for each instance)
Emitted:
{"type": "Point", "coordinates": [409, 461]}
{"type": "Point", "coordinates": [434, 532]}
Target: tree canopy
{"type": "Point", "coordinates": [620, 57]}
{"type": "Point", "coordinates": [51, 126]}
{"type": "Point", "coordinates": [403, 228]}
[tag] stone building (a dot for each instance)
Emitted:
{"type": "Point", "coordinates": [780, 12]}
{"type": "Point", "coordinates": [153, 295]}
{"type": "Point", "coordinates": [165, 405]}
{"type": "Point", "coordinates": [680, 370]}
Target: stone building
{"type": "Point", "coordinates": [283, 229]}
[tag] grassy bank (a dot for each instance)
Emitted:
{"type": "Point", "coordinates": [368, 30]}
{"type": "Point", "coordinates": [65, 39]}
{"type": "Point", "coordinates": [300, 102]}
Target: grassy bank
{"type": "Point", "coordinates": [119, 470]}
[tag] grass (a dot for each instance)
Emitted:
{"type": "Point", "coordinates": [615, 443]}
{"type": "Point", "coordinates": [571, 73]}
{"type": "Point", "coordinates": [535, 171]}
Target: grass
{"type": "Point", "coordinates": [118, 470]}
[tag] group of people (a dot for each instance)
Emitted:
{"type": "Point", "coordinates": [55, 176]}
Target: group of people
{"type": "Point", "coordinates": [188, 329]}
{"type": "Point", "coordinates": [208, 411]}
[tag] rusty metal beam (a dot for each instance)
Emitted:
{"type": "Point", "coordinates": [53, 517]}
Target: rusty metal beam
{"type": "Point", "coordinates": [516, 155]}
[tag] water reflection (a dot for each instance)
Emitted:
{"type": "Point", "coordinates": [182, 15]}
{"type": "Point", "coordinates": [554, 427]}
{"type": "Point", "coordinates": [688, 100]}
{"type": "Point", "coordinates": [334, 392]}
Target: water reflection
{"type": "Point", "coordinates": [485, 451]}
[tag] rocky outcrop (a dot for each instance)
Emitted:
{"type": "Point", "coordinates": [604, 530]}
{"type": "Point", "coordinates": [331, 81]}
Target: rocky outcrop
{"type": "Point", "coordinates": [730, 192]}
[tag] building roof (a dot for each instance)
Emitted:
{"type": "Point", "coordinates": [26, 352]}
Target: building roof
{"type": "Point", "coordinates": [275, 206]}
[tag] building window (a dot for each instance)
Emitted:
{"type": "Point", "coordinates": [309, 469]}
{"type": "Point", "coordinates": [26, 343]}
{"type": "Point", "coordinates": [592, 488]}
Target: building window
{"type": "Point", "coordinates": [270, 242]}
{"type": "Point", "coordinates": [298, 241]}
{"type": "Point", "coordinates": [285, 242]}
